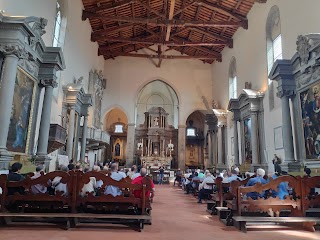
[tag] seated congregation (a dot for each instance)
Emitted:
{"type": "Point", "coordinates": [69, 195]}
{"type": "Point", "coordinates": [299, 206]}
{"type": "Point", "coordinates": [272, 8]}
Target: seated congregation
{"type": "Point", "coordinates": [75, 194]}
{"type": "Point", "coordinates": [255, 198]}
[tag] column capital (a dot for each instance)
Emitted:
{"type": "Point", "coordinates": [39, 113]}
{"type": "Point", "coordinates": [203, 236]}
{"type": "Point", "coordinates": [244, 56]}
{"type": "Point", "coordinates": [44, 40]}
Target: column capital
{"type": "Point", "coordinates": [283, 92]}
{"type": "Point", "coordinates": [14, 49]}
{"type": "Point", "coordinates": [48, 83]}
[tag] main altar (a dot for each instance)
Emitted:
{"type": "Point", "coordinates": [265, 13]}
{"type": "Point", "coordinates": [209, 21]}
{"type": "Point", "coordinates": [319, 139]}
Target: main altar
{"type": "Point", "coordinates": [156, 140]}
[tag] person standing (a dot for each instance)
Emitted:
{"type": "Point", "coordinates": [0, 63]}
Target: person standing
{"type": "Point", "coordinates": [161, 174]}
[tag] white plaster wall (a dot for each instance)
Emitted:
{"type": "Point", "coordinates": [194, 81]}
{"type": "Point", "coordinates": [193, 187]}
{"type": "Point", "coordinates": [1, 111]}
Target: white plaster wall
{"type": "Point", "coordinates": [297, 17]}
{"type": "Point", "coordinates": [191, 79]}
{"type": "Point", "coordinates": [79, 52]}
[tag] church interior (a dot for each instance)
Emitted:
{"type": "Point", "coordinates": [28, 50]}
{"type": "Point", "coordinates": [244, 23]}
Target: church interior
{"type": "Point", "coordinates": [170, 87]}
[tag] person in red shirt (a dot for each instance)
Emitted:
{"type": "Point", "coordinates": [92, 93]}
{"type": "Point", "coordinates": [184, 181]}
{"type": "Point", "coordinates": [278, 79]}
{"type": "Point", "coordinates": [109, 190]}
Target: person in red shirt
{"type": "Point", "coordinates": [138, 180]}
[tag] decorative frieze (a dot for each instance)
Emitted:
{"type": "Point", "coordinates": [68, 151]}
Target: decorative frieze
{"type": "Point", "coordinates": [14, 49]}
{"type": "Point", "coordinates": [48, 83]}
{"type": "Point", "coordinates": [285, 92]}
{"type": "Point", "coordinates": [303, 49]}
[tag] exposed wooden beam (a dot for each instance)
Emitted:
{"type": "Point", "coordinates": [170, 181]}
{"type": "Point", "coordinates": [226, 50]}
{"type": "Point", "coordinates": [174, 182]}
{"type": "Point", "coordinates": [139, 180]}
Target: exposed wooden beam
{"type": "Point", "coordinates": [203, 49]}
{"type": "Point", "coordinates": [113, 5]}
{"type": "Point", "coordinates": [160, 22]}
{"type": "Point", "coordinates": [101, 34]}
{"type": "Point", "coordinates": [213, 35]}
{"type": "Point", "coordinates": [172, 3]}
{"type": "Point", "coordinates": [221, 9]}
{"type": "Point", "coordinates": [139, 55]}
{"type": "Point", "coordinates": [147, 6]}
{"type": "Point", "coordinates": [184, 7]}
{"type": "Point", "coordinates": [165, 43]}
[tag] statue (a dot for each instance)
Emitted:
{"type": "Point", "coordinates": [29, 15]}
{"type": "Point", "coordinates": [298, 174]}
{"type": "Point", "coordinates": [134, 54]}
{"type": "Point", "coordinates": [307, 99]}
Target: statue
{"type": "Point", "coordinates": [276, 162]}
{"type": "Point", "coordinates": [156, 121]}
{"type": "Point", "coordinates": [117, 150]}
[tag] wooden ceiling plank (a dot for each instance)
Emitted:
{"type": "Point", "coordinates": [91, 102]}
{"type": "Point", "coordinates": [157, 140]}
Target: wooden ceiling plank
{"type": "Point", "coordinates": [165, 43]}
{"type": "Point", "coordinates": [140, 55]}
{"type": "Point", "coordinates": [111, 6]}
{"type": "Point", "coordinates": [160, 22]}
{"type": "Point", "coordinates": [184, 7]}
{"type": "Point", "coordinates": [147, 6]}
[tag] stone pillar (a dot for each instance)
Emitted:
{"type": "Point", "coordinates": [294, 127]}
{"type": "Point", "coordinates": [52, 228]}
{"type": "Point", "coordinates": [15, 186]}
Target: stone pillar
{"type": "Point", "coordinates": [130, 145]}
{"type": "Point", "coordinates": [181, 147]}
{"type": "Point", "coordinates": [286, 127]}
{"type": "Point", "coordinates": [220, 146]}
{"type": "Point", "coordinates": [255, 138]}
{"type": "Point", "coordinates": [236, 142]}
{"type": "Point", "coordinates": [71, 132]}
{"type": "Point", "coordinates": [42, 149]}
{"type": "Point", "coordinates": [210, 159]}
{"type": "Point", "coordinates": [9, 71]}
{"type": "Point", "coordinates": [84, 137]}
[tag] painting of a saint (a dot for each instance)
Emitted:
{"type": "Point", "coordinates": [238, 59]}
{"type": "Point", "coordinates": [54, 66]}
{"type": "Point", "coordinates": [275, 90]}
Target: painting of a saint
{"type": "Point", "coordinates": [20, 115]}
{"type": "Point", "coordinates": [247, 140]}
{"type": "Point", "coordinates": [310, 109]}
{"type": "Point", "coordinates": [117, 150]}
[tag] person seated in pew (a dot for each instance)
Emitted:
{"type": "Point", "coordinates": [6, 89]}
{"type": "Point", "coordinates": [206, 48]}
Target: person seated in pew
{"type": "Point", "coordinates": [204, 188]}
{"type": "Point", "coordinates": [15, 176]}
{"type": "Point", "coordinates": [137, 174]}
{"type": "Point", "coordinates": [258, 179]}
{"type": "Point", "coordinates": [90, 186]}
{"type": "Point", "coordinates": [191, 185]}
{"type": "Point", "coordinates": [234, 176]}
{"type": "Point", "coordinates": [201, 174]}
{"type": "Point", "coordinates": [115, 175]}
{"type": "Point", "coordinates": [39, 188]}
{"type": "Point", "coordinates": [138, 180]}
{"type": "Point", "coordinates": [178, 177]}
{"type": "Point", "coordinates": [99, 182]}
{"type": "Point", "coordinates": [283, 187]}
{"type": "Point", "coordinates": [132, 171]}
{"type": "Point", "coordinates": [58, 186]}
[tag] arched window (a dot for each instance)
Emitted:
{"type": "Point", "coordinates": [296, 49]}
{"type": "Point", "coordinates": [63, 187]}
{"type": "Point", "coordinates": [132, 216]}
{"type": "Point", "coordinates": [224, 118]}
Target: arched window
{"type": "Point", "coordinates": [57, 26]}
{"type": "Point", "coordinates": [233, 79]}
{"type": "Point", "coordinates": [274, 47]}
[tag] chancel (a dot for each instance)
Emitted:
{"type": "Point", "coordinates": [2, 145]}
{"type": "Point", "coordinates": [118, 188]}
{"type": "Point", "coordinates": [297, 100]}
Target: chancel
{"type": "Point", "coordinates": [105, 103]}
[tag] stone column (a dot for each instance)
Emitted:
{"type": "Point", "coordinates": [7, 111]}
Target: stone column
{"type": "Point", "coordinates": [84, 137]}
{"type": "Point", "coordinates": [130, 144]}
{"type": "Point", "coordinates": [71, 132]}
{"type": "Point", "coordinates": [255, 138]}
{"type": "Point", "coordinates": [9, 71]}
{"type": "Point", "coordinates": [236, 142]}
{"type": "Point", "coordinates": [210, 159]}
{"type": "Point", "coordinates": [220, 146]}
{"type": "Point", "coordinates": [286, 127]}
{"type": "Point", "coordinates": [181, 147]}
{"type": "Point", "coordinates": [42, 149]}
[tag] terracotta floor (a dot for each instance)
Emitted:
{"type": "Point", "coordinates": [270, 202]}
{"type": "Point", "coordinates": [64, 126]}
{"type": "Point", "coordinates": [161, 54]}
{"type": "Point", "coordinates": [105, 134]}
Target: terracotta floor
{"type": "Point", "coordinates": [175, 216]}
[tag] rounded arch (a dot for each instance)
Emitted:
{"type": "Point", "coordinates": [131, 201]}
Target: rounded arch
{"type": "Point", "coordinates": [185, 116]}
{"type": "Point", "coordinates": [273, 23]}
{"type": "Point", "coordinates": [109, 109]}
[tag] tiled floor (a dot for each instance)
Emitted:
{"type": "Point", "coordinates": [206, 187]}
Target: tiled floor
{"type": "Point", "coordinates": [175, 216]}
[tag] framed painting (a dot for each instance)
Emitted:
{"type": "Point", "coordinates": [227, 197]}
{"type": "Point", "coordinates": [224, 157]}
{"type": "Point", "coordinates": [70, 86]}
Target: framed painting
{"type": "Point", "coordinates": [21, 114]}
{"type": "Point", "coordinates": [278, 139]}
{"type": "Point", "coordinates": [310, 109]}
{"type": "Point", "coordinates": [247, 140]}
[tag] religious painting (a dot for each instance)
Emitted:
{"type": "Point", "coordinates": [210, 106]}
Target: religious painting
{"type": "Point", "coordinates": [310, 109]}
{"type": "Point", "coordinates": [21, 113]}
{"type": "Point", "coordinates": [192, 155]}
{"type": "Point", "coordinates": [247, 140]}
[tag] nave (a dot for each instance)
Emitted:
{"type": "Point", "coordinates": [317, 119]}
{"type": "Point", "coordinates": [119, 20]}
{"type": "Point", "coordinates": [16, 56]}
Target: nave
{"type": "Point", "coordinates": [174, 216]}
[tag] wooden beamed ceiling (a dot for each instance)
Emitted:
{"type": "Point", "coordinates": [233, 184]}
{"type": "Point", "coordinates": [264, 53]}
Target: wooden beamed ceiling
{"type": "Point", "coordinates": [198, 29]}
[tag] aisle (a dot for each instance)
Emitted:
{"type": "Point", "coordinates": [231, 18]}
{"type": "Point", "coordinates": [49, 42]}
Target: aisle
{"type": "Point", "coordinates": [176, 216]}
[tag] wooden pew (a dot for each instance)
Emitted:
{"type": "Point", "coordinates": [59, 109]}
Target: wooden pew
{"type": "Point", "coordinates": [310, 199]}
{"type": "Point", "coordinates": [72, 209]}
{"type": "Point", "coordinates": [292, 204]}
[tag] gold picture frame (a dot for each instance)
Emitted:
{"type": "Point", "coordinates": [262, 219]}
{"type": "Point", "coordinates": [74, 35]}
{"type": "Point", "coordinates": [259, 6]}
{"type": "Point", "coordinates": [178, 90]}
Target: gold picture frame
{"type": "Point", "coordinates": [22, 113]}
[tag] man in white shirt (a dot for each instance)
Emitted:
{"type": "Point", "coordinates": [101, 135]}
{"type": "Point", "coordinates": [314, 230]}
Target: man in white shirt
{"type": "Point", "coordinates": [204, 188]}
{"type": "Point", "coordinates": [58, 185]}
{"type": "Point", "coordinates": [115, 175]}
{"type": "Point", "coordinates": [137, 174]}
{"type": "Point", "coordinates": [88, 187]}
{"type": "Point", "coordinates": [38, 188]}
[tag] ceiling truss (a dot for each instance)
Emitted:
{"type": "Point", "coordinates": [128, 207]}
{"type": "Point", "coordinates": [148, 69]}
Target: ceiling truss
{"type": "Point", "coordinates": [198, 29]}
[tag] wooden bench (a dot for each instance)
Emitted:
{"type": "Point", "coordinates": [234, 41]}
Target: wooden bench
{"type": "Point", "coordinates": [242, 222]}
{"type": "Point", "coordinates": [74, 208]}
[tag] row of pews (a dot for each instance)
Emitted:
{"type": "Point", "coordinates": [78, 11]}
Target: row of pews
{"type": "Point", "coordinates": [72, 207]}
{"type": "Point", "coordinates": [300, 207]}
